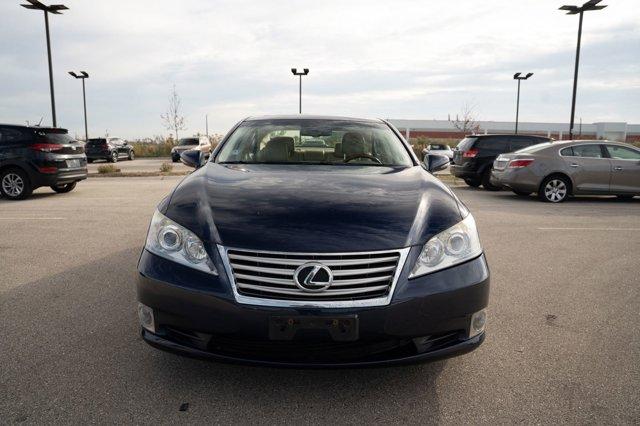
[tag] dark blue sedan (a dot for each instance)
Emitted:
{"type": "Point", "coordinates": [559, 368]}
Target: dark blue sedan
{"type": "Point", "coordinates": [280, 252]}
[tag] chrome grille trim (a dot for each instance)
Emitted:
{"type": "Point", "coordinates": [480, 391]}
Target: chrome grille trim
{"type": "Point", "coordinates": [278, 283]}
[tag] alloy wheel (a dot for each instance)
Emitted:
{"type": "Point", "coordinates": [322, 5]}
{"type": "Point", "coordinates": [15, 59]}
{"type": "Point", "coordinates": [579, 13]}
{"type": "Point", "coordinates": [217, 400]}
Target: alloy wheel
{"type": "Point", "coordinates": [12, 184]}
{"type": "Point", "coordinates": [555, 190]}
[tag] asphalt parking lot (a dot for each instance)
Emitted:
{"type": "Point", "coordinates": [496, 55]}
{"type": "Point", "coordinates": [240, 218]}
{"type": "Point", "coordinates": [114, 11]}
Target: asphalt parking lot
{"type": "Point", "coordinates": [563, 343]}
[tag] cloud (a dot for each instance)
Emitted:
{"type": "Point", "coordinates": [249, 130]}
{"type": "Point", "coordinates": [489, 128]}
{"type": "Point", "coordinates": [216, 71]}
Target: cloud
{"type": "Point", "coordinates": [401, 59]}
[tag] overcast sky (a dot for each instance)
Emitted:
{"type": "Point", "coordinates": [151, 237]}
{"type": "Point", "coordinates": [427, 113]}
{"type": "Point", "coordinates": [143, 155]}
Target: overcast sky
{"type": "Point", "coordinates": [392, 59]}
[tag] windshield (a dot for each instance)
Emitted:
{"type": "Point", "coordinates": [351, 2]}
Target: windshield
{"type": "Point", "coordinates": [188, 141]}
{"type": "Point", "coordinates": [439, 147]}
{"type": "Point", "coordinates": [305, 141]}
{"type": "Point", "coordinates": [56, 137]}
{"type": "Point", "coordinates": [96, 141]}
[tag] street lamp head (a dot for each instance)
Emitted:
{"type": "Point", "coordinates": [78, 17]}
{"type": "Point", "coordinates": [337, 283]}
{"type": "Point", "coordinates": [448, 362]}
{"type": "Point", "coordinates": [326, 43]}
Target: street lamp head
{"type": "Point", "coordinates": [73, 74]}
{"type": "Point", "coordinates": [294, 71]}
{"type": "Point", "coordinates": [84, 74]}
{"type": "Point", "coordinates": [529, 74]}
{"type": "Point", "coordinates": [516, 75]}
{"type": "Point", "coordinates": [304, 71]}
{"type": "Point", "coordinates": [54, 8]}
{"type": "Point", "coordinates": [519, 76]}
{"type": "Point", "coordinates": [590, 5]}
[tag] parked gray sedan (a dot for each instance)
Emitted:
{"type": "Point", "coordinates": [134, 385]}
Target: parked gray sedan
{"type": "Point", "coordinates": [556, 170]}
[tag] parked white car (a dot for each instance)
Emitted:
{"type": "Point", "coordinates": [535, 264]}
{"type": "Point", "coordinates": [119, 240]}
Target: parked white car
{"type": "Point", "coordinates": [440, 149]}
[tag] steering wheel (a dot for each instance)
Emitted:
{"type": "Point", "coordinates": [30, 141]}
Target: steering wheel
{"type": "Point", "coordinates": [369, 156]}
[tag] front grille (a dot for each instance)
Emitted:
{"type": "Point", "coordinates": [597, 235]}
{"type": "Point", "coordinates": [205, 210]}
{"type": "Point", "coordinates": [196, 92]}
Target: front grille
{"type": "Point", "coordinates": [356, 276]}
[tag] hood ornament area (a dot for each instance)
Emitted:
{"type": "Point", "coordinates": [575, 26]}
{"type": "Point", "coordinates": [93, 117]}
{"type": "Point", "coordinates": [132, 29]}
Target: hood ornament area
{"type": "Point", "coordinates": [313, 277]}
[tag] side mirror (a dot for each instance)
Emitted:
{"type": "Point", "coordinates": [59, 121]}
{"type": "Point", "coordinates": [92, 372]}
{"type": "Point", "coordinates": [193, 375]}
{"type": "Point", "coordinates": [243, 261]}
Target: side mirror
{"type": "Point", "coordinates": [192, 158]}
{"type": "Point", "coordinates": [436, 162]}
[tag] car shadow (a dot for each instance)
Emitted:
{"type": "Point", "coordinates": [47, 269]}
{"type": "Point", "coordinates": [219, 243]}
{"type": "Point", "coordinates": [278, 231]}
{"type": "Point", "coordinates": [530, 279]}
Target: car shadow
{"type": "Point", "coordinates": [508, 195]}
{"type": "Point", "coordinates": [71, 350]}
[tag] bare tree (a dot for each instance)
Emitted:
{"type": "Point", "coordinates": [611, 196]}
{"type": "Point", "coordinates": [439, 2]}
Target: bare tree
{"type": "Point", "coordinates": [466, 122]}
{"type": "Point", "coordinates": [172, 120]}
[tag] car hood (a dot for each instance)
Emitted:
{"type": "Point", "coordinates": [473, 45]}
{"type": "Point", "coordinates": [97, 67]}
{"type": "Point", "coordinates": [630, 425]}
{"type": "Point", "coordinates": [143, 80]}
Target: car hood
{"type": "Point", "coordinates": [309, 208]}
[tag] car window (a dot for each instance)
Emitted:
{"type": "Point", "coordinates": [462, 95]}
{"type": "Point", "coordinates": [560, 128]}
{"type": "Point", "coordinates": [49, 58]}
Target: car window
{"type": "Point", "coordinates": [8, 135]}
{"type": "Point", "coordinates": [466, 143]}
{"type": "Point", "coordinates": [497, 144]}
{"type": "Point", "coordinates": [519, 143]}
{"type": "Point", "coordinates": [622, 152]}
{"type": "Point", "coordinates": [567, 152]}
{"type": "Point", "coordinates": [588, 151]}
{"type": "Point", "coordinates": [325, 141]}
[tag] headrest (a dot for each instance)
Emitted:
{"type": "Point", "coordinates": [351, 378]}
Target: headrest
{"type": "Point", "coordinates": [353, 143]}
{"type": "Point", "coordinates": [276, 150]}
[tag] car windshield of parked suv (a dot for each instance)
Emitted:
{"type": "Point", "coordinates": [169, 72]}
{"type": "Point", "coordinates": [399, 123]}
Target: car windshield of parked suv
{"type": "Point", "coordinates": [188, 141]}
{"type": "Point", "coordinates": [332, 142]}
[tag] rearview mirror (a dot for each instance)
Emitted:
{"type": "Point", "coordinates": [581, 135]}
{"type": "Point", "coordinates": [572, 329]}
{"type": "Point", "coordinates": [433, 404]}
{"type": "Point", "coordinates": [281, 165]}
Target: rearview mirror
{"type": "Point", "coordinates": [436, 162]}
{"type": "Point", "coordinates": [192, 158]}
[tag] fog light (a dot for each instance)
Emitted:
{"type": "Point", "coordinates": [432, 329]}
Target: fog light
{"type": "Point", "coordinates": [145, 315]}
{"type": "Point", "coordinates": [477, 323]}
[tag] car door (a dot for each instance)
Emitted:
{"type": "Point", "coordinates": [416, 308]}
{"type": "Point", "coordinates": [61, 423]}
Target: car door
{"type": "Point", "coordinates": [625, 169]}
{"type": "Point", "coordinates": [588, 167]}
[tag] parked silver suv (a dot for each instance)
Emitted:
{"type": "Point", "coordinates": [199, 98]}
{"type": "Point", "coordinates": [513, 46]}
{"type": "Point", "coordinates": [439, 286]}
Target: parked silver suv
{"type": "Point", "coordinates": [560, 169]}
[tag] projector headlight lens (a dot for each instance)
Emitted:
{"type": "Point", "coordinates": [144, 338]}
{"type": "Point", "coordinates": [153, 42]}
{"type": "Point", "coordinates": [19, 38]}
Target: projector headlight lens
{"type": "Point", "coordinates": [450, 247]}
{"type": "Point", "coordinates": [172, 241]}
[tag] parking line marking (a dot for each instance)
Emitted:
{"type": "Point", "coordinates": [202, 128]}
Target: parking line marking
{"type": "Point", "coordinates": [589, 229]}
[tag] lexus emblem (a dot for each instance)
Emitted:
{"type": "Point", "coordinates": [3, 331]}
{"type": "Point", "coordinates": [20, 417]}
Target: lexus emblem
{"type": "Point", "coordinates": [313, 277]}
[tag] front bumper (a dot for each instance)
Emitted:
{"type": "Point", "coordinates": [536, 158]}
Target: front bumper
{"type": "Point", "coordinates": [196, 314]}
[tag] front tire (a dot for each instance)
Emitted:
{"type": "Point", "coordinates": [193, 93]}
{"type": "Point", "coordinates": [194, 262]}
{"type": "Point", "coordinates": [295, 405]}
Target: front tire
{"type": "Point", "coordinates": [62, 189]}
{"type": "Point", "coordinates": [554, 189]}
{"type": "Point", "coordinates": [132, 155]}
{"type": "Point", "coordinates": [114, 157]}
{"type": "Point", "coordinates": [15, 184]}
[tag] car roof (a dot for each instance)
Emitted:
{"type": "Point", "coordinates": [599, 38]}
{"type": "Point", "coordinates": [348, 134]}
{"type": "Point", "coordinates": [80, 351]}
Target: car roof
{"type": "Point", "coordinates": [508, 135]}
{"type": "Point", "coordinates": [22, 126]}
{"type": "Point", "coordinates": [311, 117]}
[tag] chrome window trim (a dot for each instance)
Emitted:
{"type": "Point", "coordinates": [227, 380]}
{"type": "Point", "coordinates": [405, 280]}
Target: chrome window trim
{"type": "Point", "coordinates": [248, 300]}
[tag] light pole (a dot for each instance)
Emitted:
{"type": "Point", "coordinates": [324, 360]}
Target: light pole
{"type": "Point", "coordinates": [55, 9]}
{"type": "Point", "coordinates": [574, 10]}
{"type": "Point", "coordinates": [305, 71]}
{"type": "Point", "coordinates": [83, 75]}
{"type": "Point", "coordinates": [518, 76]}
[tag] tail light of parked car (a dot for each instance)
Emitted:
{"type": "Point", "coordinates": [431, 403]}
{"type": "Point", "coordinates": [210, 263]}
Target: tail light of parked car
{"type": "Point", "coordinates": [46, 147]}
{"type": "Point", "coordinates": [518, 164]}
{"type": "Point", "coordinates": [470, 153]}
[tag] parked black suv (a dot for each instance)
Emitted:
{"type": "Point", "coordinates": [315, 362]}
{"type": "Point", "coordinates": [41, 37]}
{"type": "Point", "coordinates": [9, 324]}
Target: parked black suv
{"type": "Point", "coordinates": [31, 157]}
{"type": "Point", "coordinates": [473, 157]}
{"type": "Point", "coordinates": [110, 149]}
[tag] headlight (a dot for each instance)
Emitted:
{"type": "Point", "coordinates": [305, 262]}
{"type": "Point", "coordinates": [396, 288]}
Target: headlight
{"type": "Point", "coordinates": [450, 247]}
{"type": "Point", "coordinates": [175, 242]}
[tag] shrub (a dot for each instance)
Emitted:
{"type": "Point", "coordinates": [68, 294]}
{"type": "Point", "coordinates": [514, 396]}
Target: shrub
{"type": "Point", "coordinates": [166, 167]}
{"type": "Point", "coordinates": [108, 168]}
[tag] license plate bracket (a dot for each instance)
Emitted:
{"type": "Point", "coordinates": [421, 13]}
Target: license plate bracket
{"type": "Point", "coordinates": [341, 328]}
{"type": "Point", "coordinates": [73, 163]}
